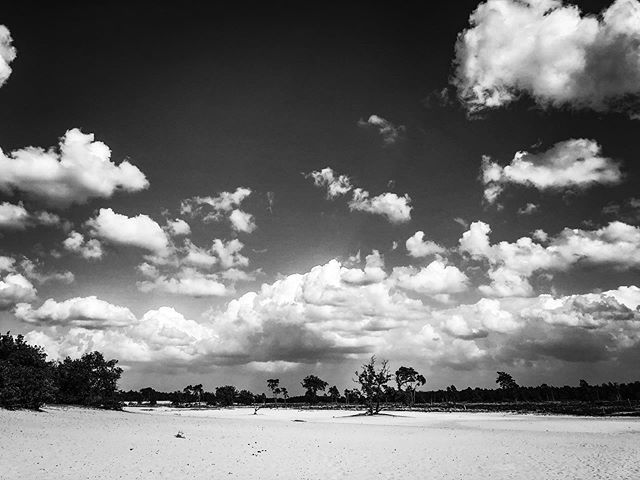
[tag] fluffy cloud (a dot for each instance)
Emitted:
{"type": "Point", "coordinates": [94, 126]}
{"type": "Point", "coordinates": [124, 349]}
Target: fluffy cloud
{"type": "Point", "coordinates": [435, 278]}
{"type": "Point", "coordinates": [178, 227]}
{"type": "Point", "coordinates": [512, 264]}
{"type": "Point", "coordinates": [389, 132]}
{"type": "Point", "coordinates": [15, 288]}
{"type": "Point", "coordinates": [242, 221]}
{"type": "Point", "coordinates": [90, 249]}
{"type": "Point", "coordinates": [477, 320]}
{"type": "Point", "coordinates": [390, 205]}
{"type": "Point", "coordinates": [16, 217]}
{"type": "Point", "coordinates": [7, 54]}
{"type": "Point", "coordinates": [140, 231]}
{"type": "Point", "coordinates": [418, 247]}
{"type": "Point", "coordinates": [571, 164]}
{"type": "Point", "coordinates": [32, 270]}
{"type": "Point", "coordinates": [336, 185]}
{"type": "Point", "coordinates": [79, 169]}
{"type": "Point", "coordinates": [551, 52]}
{"type": "Point", "coordinates": [187, 281]}
{"type": "Point", "coordinates": [228, 253]}
{"type": "Point", "coordinates": [224, 205]}
{"type": "Point", "coordinates": [86, 312]}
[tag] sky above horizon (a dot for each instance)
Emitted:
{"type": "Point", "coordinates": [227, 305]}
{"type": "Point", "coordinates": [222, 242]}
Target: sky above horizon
{"type": "Point", "coordinates": [228, 194]}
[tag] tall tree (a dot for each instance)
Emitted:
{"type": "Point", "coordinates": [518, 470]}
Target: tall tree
{"type": "Point", "coordinates": [408, 380]}
{"type": "Point", "coordinates": [312, 385]}
{"type": "Point", "coordinates": [372, 383]}
{"type": "Point", "coordinates": [226, 395]}
{"type": "Point", "coordinates": [508, 384]}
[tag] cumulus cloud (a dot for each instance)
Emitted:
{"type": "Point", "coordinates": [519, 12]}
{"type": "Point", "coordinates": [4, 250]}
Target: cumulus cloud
{"type": "Point", "coordinates": [389, 132]}
{"type": "Point", "coordinates": [242, 221]}
{"type": "Point", "coordinates": [178, 227]}
{"type": "Point", "coordinates": [336, 185]}
{"type": "Point", "coordinates": [435, 278]}
{"type": "Point", "coordinates": [86, 312]}
{"type": "Point", "coordinates": [140, 231]}
{"type": "Point", "coordinates": [88, 249]}
{"type": "Point", "coordinates": [7, 54]}
{"type": "Point", "coordinates": [80, 169]}
{"type": "Point", "coordinates": [512, 264]}
{"type": "Point", "coordinates": [571, 164]}
{"type": "Point", "coordinates": [187, 281]}
{"type": "Point", "coordinates": [551, 52]}
{"type": "Point", "coordinates": [15, 288]}
{"type": "Point", "coordinates": [395, 208]}
{"type": "Point", "coordinates": [418, 247]}
{"type": "Point", "coordinates": [33, 271]}
{"type": "Point", "coordinates": [16, 217]}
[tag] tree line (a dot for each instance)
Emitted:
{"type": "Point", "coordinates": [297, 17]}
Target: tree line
{"type": "Point", "coordinates": [28, 380]}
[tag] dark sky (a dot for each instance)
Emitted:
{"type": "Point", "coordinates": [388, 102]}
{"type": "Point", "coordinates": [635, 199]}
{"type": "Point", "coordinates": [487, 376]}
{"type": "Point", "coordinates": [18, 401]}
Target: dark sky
{"type": "Point", "coordinates": [205, 99]}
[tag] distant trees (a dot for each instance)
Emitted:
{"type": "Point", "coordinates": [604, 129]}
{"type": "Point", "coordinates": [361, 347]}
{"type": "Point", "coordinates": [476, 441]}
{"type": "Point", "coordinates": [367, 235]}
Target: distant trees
{"type": "Point", "coordinates": [507, 383]}
{"type": "Point", "coordinates": [372, 384]}
{"type": "Point", "coordinates": [245, 397]}
{"type": "Point", "coordinates": [408, 380]}
{"type": "Point", "coordinates": [148, 394]}
{"type": "Point", "coordinates": [334, 394]}
{"type": "Point", "coordinates": [193, 393]}
{"type": "Point", "coordinates": [26, 378]}
{"type": "Point", "coordinates": [312, 385]}
{"type": "Point", "coordinates": [226, 395]}
{"type": "Point", "coordinates": [274, 386]}
{"type": "Point", "coordinates": [285, 393]}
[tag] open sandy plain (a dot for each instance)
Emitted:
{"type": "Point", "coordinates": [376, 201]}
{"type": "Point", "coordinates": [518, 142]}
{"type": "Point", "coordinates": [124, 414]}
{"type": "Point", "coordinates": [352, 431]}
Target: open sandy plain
{"type": "Point", "coordinates": [76, 443]}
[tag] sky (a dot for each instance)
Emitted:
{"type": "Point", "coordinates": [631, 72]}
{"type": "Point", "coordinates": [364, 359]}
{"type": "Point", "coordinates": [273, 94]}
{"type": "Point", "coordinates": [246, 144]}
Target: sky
{"type": "Point", "coordinates": [226, 194]}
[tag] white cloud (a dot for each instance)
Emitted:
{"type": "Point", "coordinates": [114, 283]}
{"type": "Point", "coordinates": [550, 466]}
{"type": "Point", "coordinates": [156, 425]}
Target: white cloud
{"type": "Point", "coordinates": [228, 253]}
{"type": "Point", "coordinates": [16, 217]}
{"type": "Point", "coordinates": [178, 227]}
{"type": "Point", "coordinates": [418, 247]}
{"type": "Point", "coordinates": [550, 51]}
{"type": "Point", "coordinates": [187, 281]}
{"type": "Point", "coordinates": [477, 320]}
{"type": "Point", "coordinates": [90, 249]}
{"type": "Point", "coordinates": [242, 221]}
{"type": "Point", "coordinates": [139, 231]}
{"type": "Point", "coordinates": [435, 278]}
{"type": "Point", "coordinates": [7, 54]}
{"type": "Point", "coordinates": [571, 164]}
{"type": "Point", "coordinates": [15, 288]}
{"type": "Point", "coordinates": [336, 185]}
{"type": "Point", "coordinates": [389, 132]}
{"type": "Point", "coordinates": [32, 270]}
{"type": "Point", "coordinates": [87, 312]}
{"type": "Point", "coordinates": [528, 209]}
{"type": "Point", "coordinates": [512, 264]}
{"type": "Point", "coordinates": [79, 170]}
{"type": "Point", "coordinates": [390, 205]}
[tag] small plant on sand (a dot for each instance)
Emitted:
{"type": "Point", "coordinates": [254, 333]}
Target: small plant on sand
{"type": "Point", "coordinates": [180, 435]}
{"type": "Point", "coordinates": [372, 384]}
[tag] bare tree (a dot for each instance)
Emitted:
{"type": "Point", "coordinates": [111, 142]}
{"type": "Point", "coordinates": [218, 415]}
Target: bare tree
{"type": "Point", "coordinates": [372, 383]}
{"type": "Point", "coordinates": [274, 386]}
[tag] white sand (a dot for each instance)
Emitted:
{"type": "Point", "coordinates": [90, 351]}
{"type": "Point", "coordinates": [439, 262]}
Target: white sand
{"type": "Point", "coordinates": [74, 443]}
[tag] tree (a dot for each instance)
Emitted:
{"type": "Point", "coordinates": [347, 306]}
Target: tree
{"type": "Point", "coordinates": [312, 385]}
{"type": "Point", "coordinates": [507, 383]}
{"type": "Point", "coordinates": [334, 393]}
{"type": "Point", "coordinates": [285, 393]}
{"type": "Point", "coordinates": [226, 395]}
{"type": "Point", "coordinates": [26, 378]}
{"type": "Point", "coordinates": [408, 380]}
{"type": "Point", "coordinates": [245, 397]}
{"type": "Point", "coordinates": [148, 395]}
{"type": "Point", "coordinates": [89, 380]}
{"type": "Point", "coordinates": [273, 384]}
{"type": "Point", "coordinates": [372, 383]}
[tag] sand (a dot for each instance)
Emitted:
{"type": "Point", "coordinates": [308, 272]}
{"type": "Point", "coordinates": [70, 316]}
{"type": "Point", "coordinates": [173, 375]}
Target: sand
{"type": "Point", "coordinates": [76, 443]}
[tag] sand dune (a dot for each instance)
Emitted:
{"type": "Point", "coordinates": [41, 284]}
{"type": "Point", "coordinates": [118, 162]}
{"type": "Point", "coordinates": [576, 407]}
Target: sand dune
{"type": "Point", "coordinates": [75, 443]}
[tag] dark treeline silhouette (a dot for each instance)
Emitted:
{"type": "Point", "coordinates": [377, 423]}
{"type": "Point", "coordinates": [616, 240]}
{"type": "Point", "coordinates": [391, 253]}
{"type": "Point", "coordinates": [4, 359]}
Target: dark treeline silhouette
{"type": "Point", "coordinates": [28, 380]}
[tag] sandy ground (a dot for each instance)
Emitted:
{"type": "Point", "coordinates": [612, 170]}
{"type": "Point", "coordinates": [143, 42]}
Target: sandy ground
{"type": "Point", "coordinates": [75, 443]}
